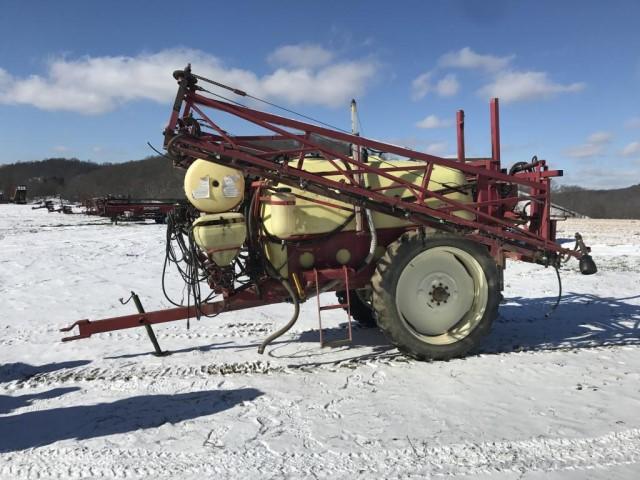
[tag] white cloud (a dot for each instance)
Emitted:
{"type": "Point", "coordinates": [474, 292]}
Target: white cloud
{"type": "Point", "coordinates": [432, 121]}
{"type": "Point", "coordinates": [586, 150]}
{"type": "Point", "coordinates": [631, 149]}
{"type": "Point", "coordinates": [601, 177]}
{"type": "Point", "coordinates": [420, 86]}
{"type": "Point", "coordinates": [305, 56]}
{"type": "Point", "coordinates": [445, 87]}
{"type": "Point", "coordinates": [507, 83]}
{"type": "Point", "coordinates": [60, 148]}
{"type": "Point", "coordinates": [513, 86]}
{"type": "Point", "coordinates": [633, 122]}
{"type": "Point", "coordinates": [333, 85]}
{"type": "Point", "coordinates": [467, 58]}
{"type": "Point", "coordinates": [593, 147]}
{"type": "Point", "coordinates": [93, 85]}
{"type": "Point", "coordinates": [599, 137]}
{"type": "Point", "coordinates": [436, 148]}
{"type": "Point", "coordinates": [448, 86]}
{"type": "Point", "coordinates": [420, 144]}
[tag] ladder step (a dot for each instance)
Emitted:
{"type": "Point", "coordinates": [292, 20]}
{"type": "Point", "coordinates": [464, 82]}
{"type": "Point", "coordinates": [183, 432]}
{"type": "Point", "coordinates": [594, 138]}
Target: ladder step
{"type": "Point", "coordinates": [332, 307]}
{"type": "Point", "coordinates": [345, 306]}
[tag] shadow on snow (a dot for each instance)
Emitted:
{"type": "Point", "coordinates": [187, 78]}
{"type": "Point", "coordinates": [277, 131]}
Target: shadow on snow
{"type": "Point", "coordinates": [44, 427]}
{"type": "Point", "coordinates": [9, 403]}
{"type": "Point", "coordinates": [580, 321]}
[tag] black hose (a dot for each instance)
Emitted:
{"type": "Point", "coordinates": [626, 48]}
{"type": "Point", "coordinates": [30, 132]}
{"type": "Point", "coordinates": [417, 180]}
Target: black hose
{"type": "Point", "coordinates": [186, 253]}
{"type": "Point", "coordinates": [548, 314]}
{"type": "Point", "coordinates": [294, 317]}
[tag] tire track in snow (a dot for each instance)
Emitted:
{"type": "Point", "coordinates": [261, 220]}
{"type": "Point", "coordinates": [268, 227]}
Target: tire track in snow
{"type": "Point", "coordinates": [231, 330]}
{"type": "Point", "coordinates": [109, 376]}
{"type": "Point", "coordinates": [416, 458]}
{"type": "Point", "coordinates": [566, 348]}
{"type": "Point", "coordinates": [134, 373]}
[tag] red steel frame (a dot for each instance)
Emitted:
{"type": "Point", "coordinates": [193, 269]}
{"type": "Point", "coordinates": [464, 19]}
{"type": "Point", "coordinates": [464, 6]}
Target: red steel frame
{"type": "Point", "coordinates": [491, 226]}
{"type": "Point", "coordinates": [493, 223]}
{"type": "Point", "coordinates": [139, 208]}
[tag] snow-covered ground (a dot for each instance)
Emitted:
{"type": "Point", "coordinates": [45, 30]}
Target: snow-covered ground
{"type": "Point", "coordinates": [554, 397]}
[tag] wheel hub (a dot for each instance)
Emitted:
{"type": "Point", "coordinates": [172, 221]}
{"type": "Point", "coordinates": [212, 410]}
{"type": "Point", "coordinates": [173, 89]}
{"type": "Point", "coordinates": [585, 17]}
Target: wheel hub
{"type": "Point", "coordinates": [439, 293]}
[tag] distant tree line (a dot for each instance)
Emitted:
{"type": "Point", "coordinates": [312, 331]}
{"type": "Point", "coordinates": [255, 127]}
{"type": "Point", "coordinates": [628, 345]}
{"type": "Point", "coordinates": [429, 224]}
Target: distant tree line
{"type": "Point", "coordinates": [76, 180]}
{"type": "Point", "coordinates": [614, 203]}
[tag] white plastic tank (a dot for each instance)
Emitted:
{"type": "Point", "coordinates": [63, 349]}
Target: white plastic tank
{"type": "Point", "coordinates": [213, 188]}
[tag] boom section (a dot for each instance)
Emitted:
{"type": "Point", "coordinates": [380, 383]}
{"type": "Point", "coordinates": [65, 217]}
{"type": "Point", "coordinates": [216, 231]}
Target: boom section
{"type": "Point", "coordinates": [492, 216]}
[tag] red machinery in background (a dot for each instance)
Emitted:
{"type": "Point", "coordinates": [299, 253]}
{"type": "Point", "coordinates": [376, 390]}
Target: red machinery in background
{"type": "Point", "coordinates": [130, 209]}
{"type": "Point", "coordinates": [447, 253]}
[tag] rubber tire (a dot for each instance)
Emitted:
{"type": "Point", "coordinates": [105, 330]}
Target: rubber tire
{"type": "Point", "coordinates": [385, 278]}
{"type": "Point", "coordinates": [360, 311]}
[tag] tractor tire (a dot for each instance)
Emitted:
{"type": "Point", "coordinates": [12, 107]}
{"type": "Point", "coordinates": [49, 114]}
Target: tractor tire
{"type": "Point", "coordinates": [361, 311]}
{"type": "Point", "coordinates": [435, 297]}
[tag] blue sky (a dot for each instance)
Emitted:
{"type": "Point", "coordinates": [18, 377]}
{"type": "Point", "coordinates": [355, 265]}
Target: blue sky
{"type": "Point", "coordinates": [92, 80]}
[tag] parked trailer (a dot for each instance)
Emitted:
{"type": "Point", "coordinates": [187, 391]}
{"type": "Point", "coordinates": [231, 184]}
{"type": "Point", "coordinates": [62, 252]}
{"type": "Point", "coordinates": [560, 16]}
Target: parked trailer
{"type": "Point", "coordinates": [129, 209]}
{"type": "Point", "coordinates": [412, 242]}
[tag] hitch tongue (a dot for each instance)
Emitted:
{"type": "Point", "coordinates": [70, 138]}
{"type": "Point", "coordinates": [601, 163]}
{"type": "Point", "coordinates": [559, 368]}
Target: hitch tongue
{"type": "Point", "coordinates": [586, 263]}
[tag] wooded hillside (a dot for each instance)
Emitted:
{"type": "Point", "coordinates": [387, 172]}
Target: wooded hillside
{"type": "Point", "coordinates": [153, 177]}
{"type": "Point", "coordinates": [615, 203]}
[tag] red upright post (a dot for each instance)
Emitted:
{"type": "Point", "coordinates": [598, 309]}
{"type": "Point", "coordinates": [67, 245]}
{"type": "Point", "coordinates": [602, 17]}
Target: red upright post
{"type": "Point", "coordinates": [460, 129]}
{"type": "Point", "coordinates": [495, 130]}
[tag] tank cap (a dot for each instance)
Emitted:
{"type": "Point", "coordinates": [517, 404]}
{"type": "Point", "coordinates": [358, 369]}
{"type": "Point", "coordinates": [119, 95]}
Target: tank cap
{"type": "Point", "coordinates": [283, 190]}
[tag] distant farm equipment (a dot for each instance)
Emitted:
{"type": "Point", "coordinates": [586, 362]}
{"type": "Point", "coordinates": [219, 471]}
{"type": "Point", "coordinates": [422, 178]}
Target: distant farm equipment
{"type": "Point", "coordinates": [120, 209]}
{"type": "Point", "coordinates": [413, 243]}
{"type": "Point", "coordinates": [20, 195]}
{"type": "Point", "coordinates": [59, 206]}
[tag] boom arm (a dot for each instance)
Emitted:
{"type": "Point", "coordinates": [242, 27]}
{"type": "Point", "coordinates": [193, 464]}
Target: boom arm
{"type": "Point", "coordinates": [263, 156]}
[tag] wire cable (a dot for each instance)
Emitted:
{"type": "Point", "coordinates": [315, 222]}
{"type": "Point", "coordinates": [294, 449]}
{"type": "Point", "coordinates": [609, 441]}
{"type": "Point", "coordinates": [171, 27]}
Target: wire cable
{"type": "Point", "coordinates": [245, 94]}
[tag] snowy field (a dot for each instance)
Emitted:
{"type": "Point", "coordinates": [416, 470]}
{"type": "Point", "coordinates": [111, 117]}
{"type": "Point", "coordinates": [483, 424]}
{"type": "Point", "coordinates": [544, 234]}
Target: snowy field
{"type": "Point", "coordinates": [543, 398]}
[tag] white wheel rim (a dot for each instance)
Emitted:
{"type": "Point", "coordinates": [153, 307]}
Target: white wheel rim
{"type": "Point", "coordinates": [442, 294]}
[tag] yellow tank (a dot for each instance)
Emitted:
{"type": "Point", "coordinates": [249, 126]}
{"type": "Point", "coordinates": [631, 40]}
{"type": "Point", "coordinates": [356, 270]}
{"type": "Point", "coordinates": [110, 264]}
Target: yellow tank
{"type": "Point", "coordinates": [220, 235]}
{"type": "Point", "coordinates": [213, 188]}
{"type": "Point", "coordinates": [283, 213]}
{"type": "Point", "coordinates": [308, 218]}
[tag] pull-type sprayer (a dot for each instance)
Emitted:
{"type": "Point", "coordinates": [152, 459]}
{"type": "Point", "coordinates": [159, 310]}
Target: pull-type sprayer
{"type": "Point", "coordinates": [281, 216]}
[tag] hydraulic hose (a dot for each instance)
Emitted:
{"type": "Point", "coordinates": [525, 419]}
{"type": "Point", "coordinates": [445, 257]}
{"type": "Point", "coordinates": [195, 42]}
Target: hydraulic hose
{"type": "Point", "coordinates": [296, 304]}
{"type": "Point", "coordinates": [294, 317]}
{"type": "Point", "coordinates": [555, 305]}
{"type": "Point", "coordinates": [374, 239]}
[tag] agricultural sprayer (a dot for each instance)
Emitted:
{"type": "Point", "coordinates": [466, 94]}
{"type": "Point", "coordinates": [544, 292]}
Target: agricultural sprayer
{"type": "Point", "coordinates": [413, 243]}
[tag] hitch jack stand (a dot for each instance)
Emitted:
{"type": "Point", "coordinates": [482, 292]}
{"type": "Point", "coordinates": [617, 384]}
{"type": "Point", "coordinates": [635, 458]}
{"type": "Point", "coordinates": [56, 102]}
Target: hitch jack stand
{"type": "Point", "coordinates": [152, 336]}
